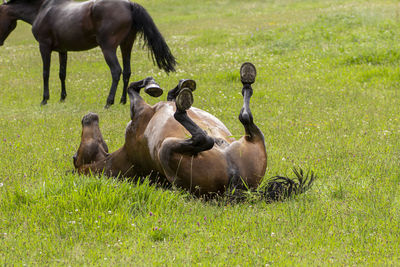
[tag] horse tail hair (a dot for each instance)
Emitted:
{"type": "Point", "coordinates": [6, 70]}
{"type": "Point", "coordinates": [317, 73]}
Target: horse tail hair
{"type": "Point", "coordinates": [278, 188]}
{"type": "Point", "coordinates": [144, 25]}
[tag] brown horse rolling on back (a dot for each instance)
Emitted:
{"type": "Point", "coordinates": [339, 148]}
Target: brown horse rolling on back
{"type": "Point", "coordinates": [65, 25]}
{"type": "Point", "coordinates": [156, 143]}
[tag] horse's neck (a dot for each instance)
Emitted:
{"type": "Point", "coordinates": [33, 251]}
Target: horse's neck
{"type": "Point", "coordinates": [26, 12]}
{"type": "Point", "coordinates": [111, 165]}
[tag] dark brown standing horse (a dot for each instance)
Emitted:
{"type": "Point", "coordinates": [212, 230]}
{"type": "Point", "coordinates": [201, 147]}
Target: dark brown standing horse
{"type": "Point", "coordinates": [156, 143]}
{"type": "Point", "coordinates": [64, 25]}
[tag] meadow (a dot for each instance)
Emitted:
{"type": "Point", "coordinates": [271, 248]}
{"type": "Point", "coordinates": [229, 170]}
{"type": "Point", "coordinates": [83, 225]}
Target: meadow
{"type": "Point", "coordinates": [326, 97]}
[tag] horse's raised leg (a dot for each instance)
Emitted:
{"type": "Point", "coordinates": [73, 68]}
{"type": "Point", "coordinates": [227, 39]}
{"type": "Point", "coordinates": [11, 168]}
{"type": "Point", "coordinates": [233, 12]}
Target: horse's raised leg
{"type": "Point", "coordinates": [63, 74]}
{"type": "Point", "coordinates": [172, 94]}
{"type": "Point", "coordinates": [199, 141]}
{"type": "Point", "coordinates": [179, 156]}
{"type": "Point", "coordinates": [45, 52]}
{"type": "Point", "coordinates": [137, 102]}
{"type": "Point", "coordinates": [184, 83]}
{"type": "Point", "coordinates": [248, 76]}
{"type": "Point", "coordinates": [126, 49]}
{"type": "Point", "coordinates": [112, 62]}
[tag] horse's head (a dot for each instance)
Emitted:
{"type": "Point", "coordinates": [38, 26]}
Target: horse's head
{"type": "Point", "coordinates": [92, 147]}
{"type": "Point", "coordinates": [8, 22]}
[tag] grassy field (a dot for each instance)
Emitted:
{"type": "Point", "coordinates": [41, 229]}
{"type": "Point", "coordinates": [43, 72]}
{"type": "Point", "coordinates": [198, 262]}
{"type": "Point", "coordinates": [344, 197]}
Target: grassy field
{"type": "Point", "coordinates": [326, 97]}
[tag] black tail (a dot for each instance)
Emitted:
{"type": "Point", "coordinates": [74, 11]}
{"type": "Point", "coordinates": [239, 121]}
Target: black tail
{"type": "Point", "coordinates": [278, 188]}
{"type": "Point", "coordinates": [144, 25]}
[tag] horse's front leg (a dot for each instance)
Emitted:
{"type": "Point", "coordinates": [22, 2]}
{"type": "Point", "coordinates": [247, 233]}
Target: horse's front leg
{"type": "Point", "coordinates": [112, 62]}
{"type": "Point", "coordinates": [200, 140]}
{"type": "Point", "coordinates": [184, 83]}
{"type": "Point", "coordinates": [138, 105]}
{"type": "Point", "coordinates": [63, 74]}
{"type": "Point", "coordinates": [45, 52]}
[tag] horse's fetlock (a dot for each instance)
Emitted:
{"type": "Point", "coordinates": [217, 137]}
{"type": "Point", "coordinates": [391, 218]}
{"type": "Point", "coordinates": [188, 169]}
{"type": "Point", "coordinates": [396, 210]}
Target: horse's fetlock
{"type": "Point", "coordinates": [247, 89]}
{"type": "Point", "coordinates": [209, 142]}
{"type": "Point", "coordinates": [245, 117]}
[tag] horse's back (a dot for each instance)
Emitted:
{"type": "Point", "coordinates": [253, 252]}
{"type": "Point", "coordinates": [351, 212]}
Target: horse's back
{"type": "Point", "coordinates": [112, 10]}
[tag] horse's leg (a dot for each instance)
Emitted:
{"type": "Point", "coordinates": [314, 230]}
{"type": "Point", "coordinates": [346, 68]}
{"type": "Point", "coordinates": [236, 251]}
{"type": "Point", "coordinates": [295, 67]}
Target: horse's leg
{"type": "Point", "coordinates": [112, 62]}
{"type": "Point", "coordinates": [200, 140]}
{"type": "Point", "coordinates": [172, 94]}
{"type": "Point", "coordinates": [248, 75]}
{"type": "Point", "coordinates": [45, 52]}
{"type": "Point", "coordinates": [179, 157]}
{"type": "Point", "coordinates": [62, 74]}
{"type": "Point", "coordinates": [126, 49]}
{"type": "Point", "coordinates": [138, 85]}
{"type": "Point", "coordinates": [138, 105]}
{"type": "Point", "coordinates": [184, 83]}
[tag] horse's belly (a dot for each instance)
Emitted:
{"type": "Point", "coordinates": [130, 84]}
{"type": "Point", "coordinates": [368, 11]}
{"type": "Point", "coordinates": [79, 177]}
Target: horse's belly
{"type": "Point", "coordinates": [163, 125]}
{"type": "Point", "coordinates": [63, 43]}
{"type": "Point", "coordinates": [212, 125]}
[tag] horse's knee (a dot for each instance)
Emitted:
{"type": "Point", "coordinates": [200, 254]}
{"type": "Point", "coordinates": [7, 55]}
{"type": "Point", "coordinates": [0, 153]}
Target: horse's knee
{"type": "Point", "coordinates": [202, 142]}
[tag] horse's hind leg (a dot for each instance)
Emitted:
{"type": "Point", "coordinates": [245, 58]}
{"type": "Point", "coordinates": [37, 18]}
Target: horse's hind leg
{"type": "Point", "coordinates": [199, 141]}
{"type": "Point", "coordinates": [62, 74]}
{"type": "Point", "coordinates": [248, 76]}
{"type": "Point", "coordinates": [126, 49]}
{"type": "Point", "coordinates": [112, 62]}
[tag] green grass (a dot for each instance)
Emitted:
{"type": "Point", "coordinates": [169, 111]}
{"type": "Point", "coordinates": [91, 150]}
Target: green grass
{"type": "Point", "coordinates": [326, 98]}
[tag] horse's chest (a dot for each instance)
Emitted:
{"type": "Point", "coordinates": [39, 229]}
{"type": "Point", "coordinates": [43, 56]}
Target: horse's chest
{"type": "Point", "coordinates": [157, 129]}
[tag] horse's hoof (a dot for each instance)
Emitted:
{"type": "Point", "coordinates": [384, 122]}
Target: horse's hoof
{"type": "Point", "coordinates": [122, 101]}
{"type": "Point", "coordinates": [153, 89]}
{"type": "Point", "coordinates": [62, 100]}
{"type": "Point", "coordinates": [187, 83]}
{"type": "Point", "coordinates": [44, 102]}
{"type": "Point", "coordinates": [107, 106]}
{"type": "Point", "coordinates": [248, 73]}
{"type": "Point", "coordinates": [184, 100]}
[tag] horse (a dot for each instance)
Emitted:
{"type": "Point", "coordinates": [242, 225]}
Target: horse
{"type": "Point", "coordinates": [65, 25]}
{"type": "Point", "coordinates": [156, 143]}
